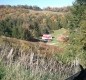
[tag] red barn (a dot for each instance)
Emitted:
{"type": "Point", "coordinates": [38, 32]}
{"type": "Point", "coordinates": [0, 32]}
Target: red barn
{"type": "Point", "coordinates": [46, 37]}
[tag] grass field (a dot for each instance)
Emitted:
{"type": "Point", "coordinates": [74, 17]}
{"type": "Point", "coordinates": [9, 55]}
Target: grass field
{"type": "Point", "coordinates": [55, 35]}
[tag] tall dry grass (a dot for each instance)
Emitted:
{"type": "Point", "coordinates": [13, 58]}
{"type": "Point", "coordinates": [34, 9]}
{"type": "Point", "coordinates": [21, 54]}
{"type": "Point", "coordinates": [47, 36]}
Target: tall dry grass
{"type": "Point", "coordinates": [21, 65]}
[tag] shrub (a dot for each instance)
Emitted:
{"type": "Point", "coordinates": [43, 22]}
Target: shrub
{"type": "Point", "coordinates": [2, 72]}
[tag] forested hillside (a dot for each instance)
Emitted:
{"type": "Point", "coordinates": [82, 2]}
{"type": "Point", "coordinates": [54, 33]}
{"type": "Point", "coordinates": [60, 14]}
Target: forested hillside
{"type": "Point", "coordinates": [25, 23]}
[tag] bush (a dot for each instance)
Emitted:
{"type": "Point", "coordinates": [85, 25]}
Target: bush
{"type": "Point", "coordinates": [2, 72]}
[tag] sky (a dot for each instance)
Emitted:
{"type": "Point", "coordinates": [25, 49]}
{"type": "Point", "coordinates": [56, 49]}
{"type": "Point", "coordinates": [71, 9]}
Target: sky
{"type": "Point", "coordinates": [40, 3]}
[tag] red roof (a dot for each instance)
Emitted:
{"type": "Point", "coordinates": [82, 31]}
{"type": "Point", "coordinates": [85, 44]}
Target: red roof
{"type": "Point", "coordinates": [47, 36]}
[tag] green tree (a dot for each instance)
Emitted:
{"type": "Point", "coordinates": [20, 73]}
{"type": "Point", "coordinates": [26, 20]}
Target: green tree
{"type": "Point", "coordinates": [77, 26]}
{"type": "Point", "coordinates": [59, 24]}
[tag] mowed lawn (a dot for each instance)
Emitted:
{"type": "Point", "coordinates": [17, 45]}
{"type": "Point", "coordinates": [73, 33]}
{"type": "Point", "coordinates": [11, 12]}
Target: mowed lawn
{"type": "Point", "coordinates": [55, 35]}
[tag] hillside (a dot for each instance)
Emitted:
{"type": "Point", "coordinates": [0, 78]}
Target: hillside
{"type": "Point", "coordinates": [40, 48]}
{"type": "Point", "coordinates": [26, 24]}
{"type": "Point", "coordinates": [25, 55]}
{"type": "Point", "coordinates": [42, 44]}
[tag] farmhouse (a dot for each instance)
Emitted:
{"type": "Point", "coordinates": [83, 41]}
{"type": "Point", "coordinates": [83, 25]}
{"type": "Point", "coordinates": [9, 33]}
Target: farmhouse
{"type": "Point", "coordinates": [47, 37]}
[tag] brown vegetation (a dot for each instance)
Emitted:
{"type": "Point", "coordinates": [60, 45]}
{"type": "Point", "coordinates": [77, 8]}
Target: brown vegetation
{"type": "Point", "coordinates": [40, 48]}
{"type": "Point", "coordinates": [36, 58]}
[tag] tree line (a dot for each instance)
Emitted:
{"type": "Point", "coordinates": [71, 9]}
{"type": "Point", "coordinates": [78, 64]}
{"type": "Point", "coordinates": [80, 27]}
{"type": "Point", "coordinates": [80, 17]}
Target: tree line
{"type": "Point", "coordinates": [54, 9]}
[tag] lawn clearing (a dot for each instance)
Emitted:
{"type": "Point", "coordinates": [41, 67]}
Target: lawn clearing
{"type": "Point", "coordinates": [55, 35]}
